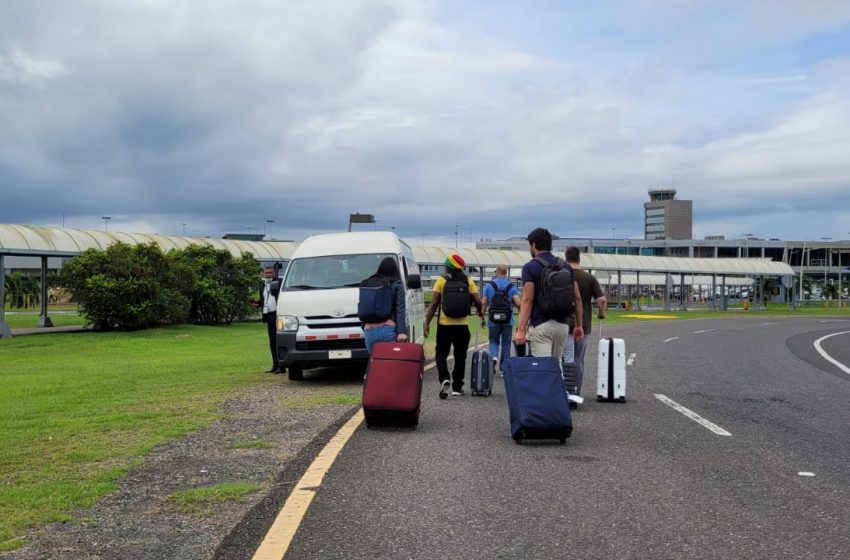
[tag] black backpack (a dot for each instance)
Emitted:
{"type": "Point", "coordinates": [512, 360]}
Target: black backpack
{"type": "Point", "coordinates": [455, 297]}
{"type": "Point", "coordinates": [500, 304]}
{"type": "Point", "coordinates": [557, 298]}
{"type": "Point", "coordinates": [376, 299]}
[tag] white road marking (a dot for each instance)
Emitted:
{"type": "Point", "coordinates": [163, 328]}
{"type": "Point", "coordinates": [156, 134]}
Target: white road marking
{"type": "Point", "coordinates": [770, 323]}
{"type": "Point", "coordinates": [693, 416]}
{"type": "Point", "coordinates": [833, 321]}
{"type": "Point", "coordinates": [674, 338]}
{"type": "Point", "coordinates": [631, 360]}
{"type": "Point", "coordinates": [704, 331]}
{"type": "Point", "coordinates": [829, 358]}
{"type": "Point", "coordinates": [804, 473]}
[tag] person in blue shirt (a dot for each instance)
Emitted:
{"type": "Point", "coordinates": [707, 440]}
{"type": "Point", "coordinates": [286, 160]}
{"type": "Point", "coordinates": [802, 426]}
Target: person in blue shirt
{"type": "Point", "coordinates": [500, 295]}
{"type": "Point", "coordinates": [547, 336]}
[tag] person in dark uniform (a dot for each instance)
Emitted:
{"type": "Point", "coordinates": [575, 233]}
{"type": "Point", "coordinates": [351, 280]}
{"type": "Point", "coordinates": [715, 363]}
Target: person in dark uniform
{"type": "Point", "coordinates": [269, 291]}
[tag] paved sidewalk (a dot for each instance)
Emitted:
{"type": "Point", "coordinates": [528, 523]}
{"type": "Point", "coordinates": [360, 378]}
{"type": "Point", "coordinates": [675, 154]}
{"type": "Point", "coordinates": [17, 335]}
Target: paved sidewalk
{"type": "Point", "coordinates": [48, 330]}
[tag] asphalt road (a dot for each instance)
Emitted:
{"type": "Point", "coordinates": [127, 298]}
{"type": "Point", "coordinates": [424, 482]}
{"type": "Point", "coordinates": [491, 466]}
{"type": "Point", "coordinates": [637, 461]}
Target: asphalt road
{"type": "Point", "coordinates": [636, 480]}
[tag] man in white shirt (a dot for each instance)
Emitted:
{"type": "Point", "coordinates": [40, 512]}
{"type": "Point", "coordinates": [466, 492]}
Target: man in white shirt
{"type": "Point", "coordinates": [268, 304]}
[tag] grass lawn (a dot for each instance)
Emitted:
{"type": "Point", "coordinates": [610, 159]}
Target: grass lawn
{"type": "Point", "coordinates": [76, 410]}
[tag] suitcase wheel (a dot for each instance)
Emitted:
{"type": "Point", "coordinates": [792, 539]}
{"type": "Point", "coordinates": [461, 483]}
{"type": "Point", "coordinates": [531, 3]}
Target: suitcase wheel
{"type": "Point", "coordinates": [489, 393]}
{"type": "Point", "coordinates": [599, 398]}
{"type": "Point", "coordinates": [563, 440]}
{"type": "Point", "coordinates": [518, 440]}
{"type": "Point", "coordinates": [622, 399]}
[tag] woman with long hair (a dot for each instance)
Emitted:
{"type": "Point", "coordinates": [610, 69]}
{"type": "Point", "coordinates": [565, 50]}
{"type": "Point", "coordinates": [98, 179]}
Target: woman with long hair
{"type": "Point", "coordinates": [394, 328]}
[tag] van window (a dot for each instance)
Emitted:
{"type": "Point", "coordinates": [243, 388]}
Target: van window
{"type": "Point", "coordinates": [331, 271]}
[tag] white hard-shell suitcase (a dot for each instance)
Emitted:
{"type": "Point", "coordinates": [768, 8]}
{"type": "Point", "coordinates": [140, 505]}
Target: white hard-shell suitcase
{"type": "Point", "coordinates": [611, 370]}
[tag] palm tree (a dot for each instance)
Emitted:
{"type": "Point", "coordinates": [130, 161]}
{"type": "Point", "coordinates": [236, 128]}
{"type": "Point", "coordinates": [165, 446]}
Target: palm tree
{"type": "Point", "coordinates": [807, 286]}
{"type": "Point", "coordinates": [22, 290]}
{"type": "Point", "coordinates": [829, 291]}
{"type": "Point", "coordinates": [768, 289]}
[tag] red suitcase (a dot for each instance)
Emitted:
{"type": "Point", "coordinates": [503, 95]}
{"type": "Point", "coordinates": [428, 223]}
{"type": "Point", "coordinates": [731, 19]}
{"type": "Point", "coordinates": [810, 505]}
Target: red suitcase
{"type": "Point", "coordinates": [392, 391]}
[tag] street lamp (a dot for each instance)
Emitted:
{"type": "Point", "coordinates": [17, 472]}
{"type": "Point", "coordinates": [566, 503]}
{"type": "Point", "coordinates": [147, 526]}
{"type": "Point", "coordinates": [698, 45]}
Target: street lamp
{"type": "Point", "coordinates": [184, 228]}
{"type": "Point", "coordinates": [802, 260]}
{"type": "Point", "coordinates": [456, 230]}
{"type": "Point", "coordinates": [269, 222]}
{"type": "Point", "coordinates": [826, 259]}
{"type": "Point", "coordinates": [106, 222]}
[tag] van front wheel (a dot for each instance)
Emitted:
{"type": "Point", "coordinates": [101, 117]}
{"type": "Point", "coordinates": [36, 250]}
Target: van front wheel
{"type": "Point", "coordinates": [296, 372]}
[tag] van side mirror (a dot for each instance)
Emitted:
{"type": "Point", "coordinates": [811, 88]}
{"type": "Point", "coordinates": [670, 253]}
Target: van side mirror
{"type": "Point", "coordinates": [274, 286]}
{"type": "Point", "coordinates": [414, 282]}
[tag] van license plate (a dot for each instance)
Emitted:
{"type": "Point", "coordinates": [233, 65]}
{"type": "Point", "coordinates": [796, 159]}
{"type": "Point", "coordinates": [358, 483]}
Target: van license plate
{"type": "Point", "coordinates": [339, 354]}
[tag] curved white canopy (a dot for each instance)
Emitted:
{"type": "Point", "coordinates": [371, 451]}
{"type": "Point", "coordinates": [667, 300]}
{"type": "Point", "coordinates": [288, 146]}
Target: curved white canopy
{"type": "Point", "coordinates": [52, 241]}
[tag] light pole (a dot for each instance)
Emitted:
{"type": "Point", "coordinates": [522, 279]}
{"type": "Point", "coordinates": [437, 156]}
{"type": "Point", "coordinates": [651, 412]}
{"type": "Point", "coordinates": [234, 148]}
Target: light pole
{"type": "Point", "coordinates": [456, 230]}
{"type": "Point", "coordinates": [269, 222]}
{"type": "Point", "coordinates": [802, 260]}
{"type": "Point", "coordinates": [826, 256]}
{"type": "Point", "coordinates": [106, 222]}
{"type": "Point", "coordinates": [184, 228]}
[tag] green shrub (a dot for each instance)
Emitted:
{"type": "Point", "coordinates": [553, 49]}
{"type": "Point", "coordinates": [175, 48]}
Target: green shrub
{"type": "Point", "coordinates": [221, 285]}
{"type": "Point", "coordinates": [127, 287]}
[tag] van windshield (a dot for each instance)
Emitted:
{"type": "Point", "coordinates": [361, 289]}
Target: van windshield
{"type": "Point", "coordinates": [331, 272]}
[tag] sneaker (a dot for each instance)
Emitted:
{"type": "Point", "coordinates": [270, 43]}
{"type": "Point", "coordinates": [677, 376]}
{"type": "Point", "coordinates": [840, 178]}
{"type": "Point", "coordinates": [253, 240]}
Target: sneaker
{"type": "Point", "coordinates": [458, 393]}
{"type": "Point", "coordinates": [444, 389]}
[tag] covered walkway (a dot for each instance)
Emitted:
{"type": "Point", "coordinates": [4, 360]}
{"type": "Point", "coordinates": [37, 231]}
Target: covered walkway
{"type": "Point", "coordinates": [628, 270]}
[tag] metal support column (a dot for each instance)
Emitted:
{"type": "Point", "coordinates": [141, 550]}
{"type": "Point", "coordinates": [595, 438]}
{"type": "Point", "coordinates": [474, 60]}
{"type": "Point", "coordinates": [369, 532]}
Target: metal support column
{"type": "Point", "coordinates": [667, 289]}
{"type": "Point", "coordinates": [5, 330]}
{"type": "Point", "coordinates": [43, 319]}
{"type": "Point", "coordinates": [683, 297]}
{"type": "Point", "coordinates": [638, 307]}
{"type": "Point", "coordinates": [712, 300]}
{"type": "Point", "coordinates": [620, 290]}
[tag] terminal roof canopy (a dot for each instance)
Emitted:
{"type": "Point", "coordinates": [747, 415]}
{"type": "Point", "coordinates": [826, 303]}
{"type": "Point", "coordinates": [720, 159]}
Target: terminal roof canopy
{"type": "Point", "coordinates": [59, 242]}
{"type": "Point", "coordinates": [49, 241]}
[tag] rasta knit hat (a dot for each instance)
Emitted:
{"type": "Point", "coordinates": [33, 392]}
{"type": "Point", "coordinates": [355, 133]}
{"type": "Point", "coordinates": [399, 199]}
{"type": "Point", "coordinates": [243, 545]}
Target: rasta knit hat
{"type": "Point", "coordinates": [455, 261]}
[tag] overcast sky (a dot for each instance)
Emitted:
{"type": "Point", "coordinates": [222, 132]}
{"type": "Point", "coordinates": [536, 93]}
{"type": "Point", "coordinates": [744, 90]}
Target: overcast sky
{"type": "Point", "coordinates": [492, 116]}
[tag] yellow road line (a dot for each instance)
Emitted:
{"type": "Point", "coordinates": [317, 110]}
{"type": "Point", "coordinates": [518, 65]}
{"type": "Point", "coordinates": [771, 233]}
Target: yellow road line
{"type": "Point", "coordinates": [280, 535]}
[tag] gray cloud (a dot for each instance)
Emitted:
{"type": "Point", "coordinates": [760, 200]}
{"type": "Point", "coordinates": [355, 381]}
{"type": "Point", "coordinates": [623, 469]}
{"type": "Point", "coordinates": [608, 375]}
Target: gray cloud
{"type": "Point", "coordinates": [224, 116]}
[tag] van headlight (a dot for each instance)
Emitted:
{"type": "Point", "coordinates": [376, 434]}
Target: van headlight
{"type": "Point", "coordinates": [287, 323]}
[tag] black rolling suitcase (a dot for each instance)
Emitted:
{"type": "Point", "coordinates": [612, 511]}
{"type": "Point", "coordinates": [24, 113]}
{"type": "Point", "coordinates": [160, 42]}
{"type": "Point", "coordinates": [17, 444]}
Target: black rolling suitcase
{"type": "Point", "coordinates": [482, 371]}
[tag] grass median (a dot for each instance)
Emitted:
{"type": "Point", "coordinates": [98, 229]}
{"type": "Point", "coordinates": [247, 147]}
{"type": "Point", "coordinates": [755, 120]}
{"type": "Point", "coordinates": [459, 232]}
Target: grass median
{"type": "Point", "coordinates": [77, 410]}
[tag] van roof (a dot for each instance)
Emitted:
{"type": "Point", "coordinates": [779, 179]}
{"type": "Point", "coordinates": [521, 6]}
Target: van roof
{"type": "Point", "coordinates": [349, 243]}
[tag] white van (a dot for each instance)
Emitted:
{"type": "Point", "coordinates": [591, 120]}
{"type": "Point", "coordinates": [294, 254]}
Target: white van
{"type": "Point", "coordinates": [317, 322]}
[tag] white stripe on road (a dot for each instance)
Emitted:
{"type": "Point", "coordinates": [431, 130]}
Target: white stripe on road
{"type": "Point", "coordinates": [693, 416]}
{"type": "Point", "coordinates": [631, 360]}
{"type": "Point", "coordinates": [706, 330]}
{"type": "Point", "coordinates": [674, 338]}
{"type": "Point", "coordinates": [826, 356]}
{"type": "Point", "coordinates": [770, 323]}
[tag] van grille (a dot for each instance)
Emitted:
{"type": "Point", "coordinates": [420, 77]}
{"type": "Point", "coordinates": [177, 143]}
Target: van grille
{"type": "Point", "coordinates": [338, 344]}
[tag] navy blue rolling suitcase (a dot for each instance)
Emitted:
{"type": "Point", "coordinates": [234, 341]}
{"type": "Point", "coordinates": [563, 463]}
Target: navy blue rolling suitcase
{"type": "Point", "coordinates": [482, 371]}
{"type": "Point", "coordinates": [537, 401]}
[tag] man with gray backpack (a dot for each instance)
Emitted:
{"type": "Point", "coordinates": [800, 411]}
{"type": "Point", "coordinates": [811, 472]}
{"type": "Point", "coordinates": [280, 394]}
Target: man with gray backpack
{"type": "Point", "coordinates": [550, 294]}
{"type": "Point", "coordinates": [499, 294]}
